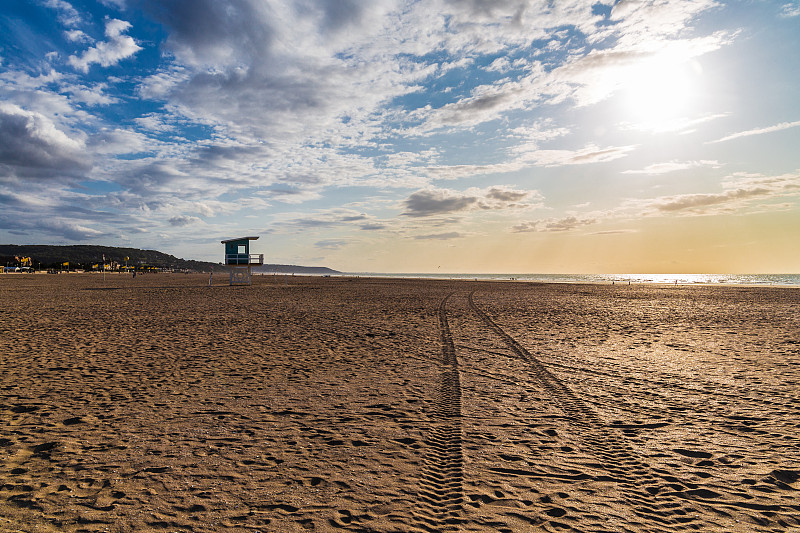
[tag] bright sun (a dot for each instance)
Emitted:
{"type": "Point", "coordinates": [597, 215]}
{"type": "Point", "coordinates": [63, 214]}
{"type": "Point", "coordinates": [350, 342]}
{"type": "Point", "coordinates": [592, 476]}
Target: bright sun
{"type": "Point", "coordinates": [658, 92]}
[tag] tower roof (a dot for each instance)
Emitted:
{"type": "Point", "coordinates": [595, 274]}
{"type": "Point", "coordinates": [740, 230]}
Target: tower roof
{"type": "Point", "coordinates": [240, 239]}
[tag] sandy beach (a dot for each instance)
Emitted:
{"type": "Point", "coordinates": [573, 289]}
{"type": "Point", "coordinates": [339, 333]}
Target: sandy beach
{"type": "Point", "coordinates": [377, 405]}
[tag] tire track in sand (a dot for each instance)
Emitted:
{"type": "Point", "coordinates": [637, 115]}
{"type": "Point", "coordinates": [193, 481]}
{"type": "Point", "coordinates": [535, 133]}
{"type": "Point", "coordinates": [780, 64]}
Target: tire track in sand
{"type": "Point", "coordinates": [441, 492]}
{"type": "Point", "coordinates": [645, 491]}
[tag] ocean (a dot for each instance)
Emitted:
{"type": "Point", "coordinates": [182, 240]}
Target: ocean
{"type": "Point", "coordinates": [673, 279]}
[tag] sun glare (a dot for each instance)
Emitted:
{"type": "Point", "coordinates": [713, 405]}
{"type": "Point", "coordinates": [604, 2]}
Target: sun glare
{"type": "Point", "coordinates": [658, 92]}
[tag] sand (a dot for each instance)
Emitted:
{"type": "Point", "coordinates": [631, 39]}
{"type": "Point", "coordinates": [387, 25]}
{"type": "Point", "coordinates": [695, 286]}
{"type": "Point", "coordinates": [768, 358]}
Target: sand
{"type": "Point", "coordinates": [340, 404]}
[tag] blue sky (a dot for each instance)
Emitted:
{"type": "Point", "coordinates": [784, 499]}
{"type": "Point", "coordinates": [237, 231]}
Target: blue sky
{"type": "Point", "coordinates": [393, 136]}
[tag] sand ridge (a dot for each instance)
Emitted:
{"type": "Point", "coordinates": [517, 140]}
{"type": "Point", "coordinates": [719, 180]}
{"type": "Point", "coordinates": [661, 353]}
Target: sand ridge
{"type": "Point", "coordinates": [356, 404]}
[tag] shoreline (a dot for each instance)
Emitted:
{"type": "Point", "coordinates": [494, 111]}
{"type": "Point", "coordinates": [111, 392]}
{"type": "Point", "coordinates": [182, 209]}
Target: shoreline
{"type": "Point", "coordinates": [522, 279]}
{"type": "Point", "coordinates": [684, 280]}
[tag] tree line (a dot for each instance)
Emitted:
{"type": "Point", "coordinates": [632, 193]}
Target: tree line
{"type": "Point", "coordinates": [86, 257]}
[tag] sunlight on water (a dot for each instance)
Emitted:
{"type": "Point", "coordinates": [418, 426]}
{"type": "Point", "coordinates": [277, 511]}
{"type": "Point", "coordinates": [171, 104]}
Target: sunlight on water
{"type": "Point", "coordinates": [672, 279]}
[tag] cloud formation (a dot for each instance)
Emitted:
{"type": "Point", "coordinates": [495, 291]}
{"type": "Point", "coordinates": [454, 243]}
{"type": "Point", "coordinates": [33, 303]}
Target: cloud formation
{"type": "Point", "coordinates": [790, 10]}
{"type": "Point", "coordinates": [439, 236]}
{"type": "Point", "coordinates": [584, 156]}
{"type": "Point", "coordinates": [330, 244]}
{"type": "Point", "coordinates": [738, 192]}
{"type": "Point", "coordinates": [437, 202]}
{"type": "Point", "coordinates": [434, 202]}
{"type": "Point", "coordinates": [31, 145]}
{"type": "Point", "coordinates": [348, 120]}
{"type": "Point", "coordinates": [673, 166]}
{"type": "Point", "coordinates": [741, 194]}
{"type": "Point", "coordinates": [110, 52]}
{"type": "Point", "coordinates": [758, 131]}
{"type": "Point", "coordinates": [183, 220]}
{"type": "Point", "coordinates": [553, 224]}
{"type": "Point", "coordinates": [67, 15]}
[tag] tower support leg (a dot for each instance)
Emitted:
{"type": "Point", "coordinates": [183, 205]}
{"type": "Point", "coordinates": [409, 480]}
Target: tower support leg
{"type": "Point", "coordinates": [241, 275]}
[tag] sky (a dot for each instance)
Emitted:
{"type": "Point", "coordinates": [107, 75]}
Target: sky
{"type": "Point", "coordinates": [479, 136]}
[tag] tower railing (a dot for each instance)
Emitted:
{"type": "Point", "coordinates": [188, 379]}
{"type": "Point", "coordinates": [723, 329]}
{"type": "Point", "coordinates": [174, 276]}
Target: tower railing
{"type": "Point", "coordinates": [244, 259]}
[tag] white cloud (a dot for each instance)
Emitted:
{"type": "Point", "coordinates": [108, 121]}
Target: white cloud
{"type": "Point", "coordinates": [110, 52]}
{"type": "Point", "coordinates": [645, 20]}
{"type": "Point", "coordinates": [484, 104]}
{"type": "Point", "coordinates": [584, 156]}
{"type": "Point", "coordinates": [542, 130]}
{"type": "Point", "coordinates": [94, 95]}
{"type": "Point", "coordinates": [738, 192]}
{"type": "Point", "coordinates": [77, 36]}
{"type": "Point", "coordinates": [118, 141]}
{"type": "Point", "coordinates": [155, 122]}
{"type": "Point", "coordinates": [682, 125]}
{"type": "Point", "coordinates": [159, 85]}
{"type": "Point", "coordinates": [790, 10]}
{"type": "Point", "coordinates": [407, 159]}
{"type": "Point", "coordinates": [553, 224]}
{"type": "Point", "coordinates": [453, 172]}
{"type": "Point", "coordinates": [741, 194]}
{"type": "Point", "coordinates": [118, 4]}
{"type": "Point", "coordinates": [67, 15]}
{"type": "Point", "coordinates": [673, 166]}
{"type": "Point", "coordinates": [501, 64]}
{"type": "Point", "coordinates": [758, 131]}
{"type": "Point", "coordinates": [21, 82]}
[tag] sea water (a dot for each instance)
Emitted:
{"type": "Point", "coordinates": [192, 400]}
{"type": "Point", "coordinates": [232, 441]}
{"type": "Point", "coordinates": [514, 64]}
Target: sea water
{"type": "Point", "coordinates": [673, 279]}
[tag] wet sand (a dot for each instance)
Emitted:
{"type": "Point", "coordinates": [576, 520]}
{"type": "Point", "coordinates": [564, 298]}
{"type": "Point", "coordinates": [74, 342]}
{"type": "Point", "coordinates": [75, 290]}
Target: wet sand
{"type": "Point", "coordinates": [338, 404]}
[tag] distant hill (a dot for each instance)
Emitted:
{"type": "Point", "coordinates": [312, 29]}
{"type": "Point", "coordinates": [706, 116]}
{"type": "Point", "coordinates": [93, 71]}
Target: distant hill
{"type": "Point", "coordinates": [84, 256]}
{"type": "Point", "coordinates": [293, 269]}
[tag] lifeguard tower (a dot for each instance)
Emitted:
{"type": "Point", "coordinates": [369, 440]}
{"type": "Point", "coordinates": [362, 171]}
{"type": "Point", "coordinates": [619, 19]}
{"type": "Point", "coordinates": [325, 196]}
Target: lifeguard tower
{"type": "Point", "coordinates": [240, 260]}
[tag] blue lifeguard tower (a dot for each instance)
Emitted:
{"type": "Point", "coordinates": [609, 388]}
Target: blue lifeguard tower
{"type": "Point", "coordinates": [240, 260]}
